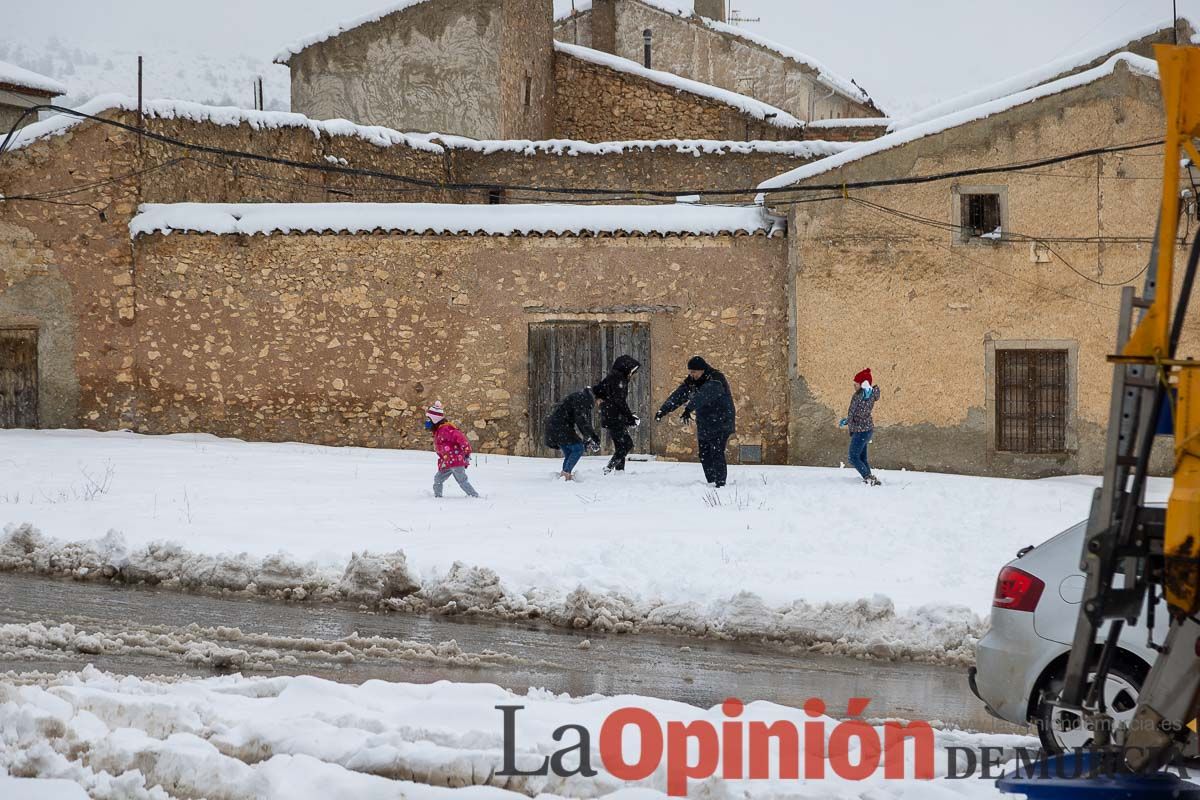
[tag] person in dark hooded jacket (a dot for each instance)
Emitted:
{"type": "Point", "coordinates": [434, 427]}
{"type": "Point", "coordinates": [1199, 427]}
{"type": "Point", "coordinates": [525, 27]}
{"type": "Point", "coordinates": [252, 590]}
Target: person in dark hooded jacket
{"type": "Point", "coordinates": [569, 419]}
{"type": "Point", "coordinates": [615, 416]}
{"type": "Point", "coordinates": [705, 391]}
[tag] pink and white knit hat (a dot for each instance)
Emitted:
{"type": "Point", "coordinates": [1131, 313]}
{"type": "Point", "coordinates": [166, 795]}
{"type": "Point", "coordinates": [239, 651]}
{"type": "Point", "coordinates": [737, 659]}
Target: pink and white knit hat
{"type": "Point", "coordinates": [435, 413]}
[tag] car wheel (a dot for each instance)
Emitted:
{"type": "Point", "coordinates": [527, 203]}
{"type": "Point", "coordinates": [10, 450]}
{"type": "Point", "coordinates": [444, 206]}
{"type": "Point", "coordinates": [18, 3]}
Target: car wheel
{"type": "Point", "coordinates": [1062, 729]}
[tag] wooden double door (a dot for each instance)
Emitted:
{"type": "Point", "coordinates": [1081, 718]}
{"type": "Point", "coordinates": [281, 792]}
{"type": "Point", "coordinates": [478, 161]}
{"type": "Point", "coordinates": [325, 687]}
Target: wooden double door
{"type": "Point", "coordinates": [564, 357]}
{"type": "Point", "coordinates": [18, 378]}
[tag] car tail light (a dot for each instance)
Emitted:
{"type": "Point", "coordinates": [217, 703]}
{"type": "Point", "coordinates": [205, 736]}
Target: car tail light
{"type": "Point", "coordinates": [1017, 590]}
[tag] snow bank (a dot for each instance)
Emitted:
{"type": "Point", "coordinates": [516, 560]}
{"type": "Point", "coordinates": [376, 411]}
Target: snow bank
{"type": "Point", "coordinates": [220, 115]}
{"type": "Point", "coordinates": [27, 79]}
{"type": "Point", "coordinates": [680, 8]}
{"type": "Point", "coordinates": [224, 648]}
{"type": "Point", "coordinates": [1136, 64]}
{"type": "Point", "coordinates": [795, 554]}
{"type": "Point", "coordinates": [522, 219]}
{"type": "Point", "coordinates": [303, 737]}
{"type": "Point", "coordinates": [1027, 80]}
{"type": "Point", "coordinates": [744, 103]}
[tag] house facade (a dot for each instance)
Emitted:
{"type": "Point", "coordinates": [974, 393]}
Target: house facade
{"type": "Point", "coordinates": [985, 305]}
{"type": "Point", "coordinates": [704, 47]}
{"type": "Point", "coordinates": [20, 90]}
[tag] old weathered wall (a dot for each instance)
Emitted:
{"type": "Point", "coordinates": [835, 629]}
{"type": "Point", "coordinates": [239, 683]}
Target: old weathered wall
{"type": "Point", "coordinates": [599, 104]}
{"type": "Point", "coordinates": [429, 67]}
{"type": "Point", "coordinates": [345, 339]}
{"type": "Point", "coordinates": [628, 168]}
{"type": "Point", "coordinates": [527, 69]}
{"type": "Point", "coordinates": [688, 48]}
{"type": "Point", "coordinates": [64, 270]}
{"type": "Point", "coordinates": [922, 309]}
{"type": "Point", "coordinates": [67, 270]}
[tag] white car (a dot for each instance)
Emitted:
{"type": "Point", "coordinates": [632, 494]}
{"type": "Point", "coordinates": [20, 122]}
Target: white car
{"type": "Point", "coordinates": [1019, 663]}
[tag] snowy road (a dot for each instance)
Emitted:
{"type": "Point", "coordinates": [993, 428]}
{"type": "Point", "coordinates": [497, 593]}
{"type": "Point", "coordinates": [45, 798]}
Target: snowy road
{"type": "Point", "coordinates": [341, 644]}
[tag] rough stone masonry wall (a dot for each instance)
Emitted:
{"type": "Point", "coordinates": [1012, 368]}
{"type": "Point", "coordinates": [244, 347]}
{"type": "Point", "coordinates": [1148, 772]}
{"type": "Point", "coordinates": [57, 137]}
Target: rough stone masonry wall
{"type": "Point", "coordinates": [429, 67]}
{"type": "Point", "coordinates": [599, 104]}
{"type": "Point", "coordinates": [635, 168]}
{"type": "Point", "coordinates": [527, 55]}
{"type": "Point", "coordinates": [65, 271]}
{"type": "Point", "coordinates": [920, 308]}
{"type": "Point", "coordinates": [345, 339]}
{"type": "Point", "coordinates": [688, 48]}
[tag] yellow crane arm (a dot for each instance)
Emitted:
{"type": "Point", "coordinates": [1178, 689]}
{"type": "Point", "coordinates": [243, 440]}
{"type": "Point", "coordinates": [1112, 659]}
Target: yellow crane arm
{"type": "Point", "coordinates": [1179, 78]}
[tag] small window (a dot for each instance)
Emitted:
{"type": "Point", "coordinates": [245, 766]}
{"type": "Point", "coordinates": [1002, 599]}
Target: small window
{"type": "Point", "coordinates": [647, 40]}
{"type": "Point", "coordinates": [495, 197]}
{"type": "Point", "coordinates": [528, 91]}
{"type": "Point", "coordinates": [1031, 401]}
{"type": "Point", "coordinates": [981, 217]}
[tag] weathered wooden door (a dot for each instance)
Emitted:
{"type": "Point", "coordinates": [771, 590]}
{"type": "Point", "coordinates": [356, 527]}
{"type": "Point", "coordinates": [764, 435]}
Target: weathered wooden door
{"type": "Point", "coordinates": [18, 378]}
{"type": "Point", "coordinates": [564, 357]}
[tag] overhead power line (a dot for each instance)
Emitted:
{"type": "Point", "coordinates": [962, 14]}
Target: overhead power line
{"type": "Point", "coordinates": [453, 186]}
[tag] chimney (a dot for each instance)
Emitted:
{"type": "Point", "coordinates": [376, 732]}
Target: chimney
{"type": "Point", "coordinates": [713, 9]}
{"type": "Point", "coordinates": [604, 25]}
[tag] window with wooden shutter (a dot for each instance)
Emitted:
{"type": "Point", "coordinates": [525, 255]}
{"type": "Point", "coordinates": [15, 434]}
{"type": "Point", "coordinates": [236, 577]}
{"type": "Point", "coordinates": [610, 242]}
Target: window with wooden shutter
{"type": "Point", "coordinates": [1031, 401]}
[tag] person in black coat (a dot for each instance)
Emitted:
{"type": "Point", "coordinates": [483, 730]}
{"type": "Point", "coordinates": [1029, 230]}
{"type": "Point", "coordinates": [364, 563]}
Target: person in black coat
{"type": "Point", "coordinates": [708, 398]}
{"type": "Point", "coordinates": [615, 416]}
{"type": "Point", "coordinates": [569, 419]}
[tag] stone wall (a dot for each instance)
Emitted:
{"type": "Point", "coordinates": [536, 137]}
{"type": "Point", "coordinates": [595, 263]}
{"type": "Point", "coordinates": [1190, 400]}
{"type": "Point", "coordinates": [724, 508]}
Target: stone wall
{"type": "Point", "coordinates": [598, 104]}
{"type": "Point", "coordinates": [428, 67]}
{"type": "Point", "coordinates": [923, 309]}
{"type": "Point", "coordinates": [686, 47]}
{"type": "Point", "coordinates": [631, 167]}
{"type": "Point", "coordinates": [527, 69]}
{"type": "Point", "coordinates": [114, 330]}
{"type": "Point", "coordinates": [65, 270]}
{"type": "Point", "coordinates": [345, 339]}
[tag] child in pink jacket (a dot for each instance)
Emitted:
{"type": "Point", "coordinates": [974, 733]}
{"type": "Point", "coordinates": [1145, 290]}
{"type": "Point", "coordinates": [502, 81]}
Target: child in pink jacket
{"type": "Point", "coordinates": [453, 451]}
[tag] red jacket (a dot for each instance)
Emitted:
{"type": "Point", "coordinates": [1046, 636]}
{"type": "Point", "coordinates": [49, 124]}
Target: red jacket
{"type": "Point", "coordinates": [452, 447]}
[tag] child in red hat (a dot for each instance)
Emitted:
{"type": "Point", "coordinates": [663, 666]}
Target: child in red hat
{"type": "Point", "coordinates": [453, 451]}
{"type": "Point", "coordinates": [861, 424]}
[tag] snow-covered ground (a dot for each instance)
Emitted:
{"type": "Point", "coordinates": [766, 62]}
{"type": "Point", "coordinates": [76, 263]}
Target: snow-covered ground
{"type": "Point", "coordinates": [805, 555]}
{"type": "Point", "coordinates": [304, 737]}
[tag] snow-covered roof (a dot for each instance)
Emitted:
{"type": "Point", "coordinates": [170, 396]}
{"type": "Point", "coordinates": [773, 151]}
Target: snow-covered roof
{"type": "Point", "coordinates": [814, 148]}
{"type": "Point", "coordinates": [1136, 64]}
{"type": "Point", "coordinates": [851, 122]}
{"type": "Point", "coordinates": [1027, 80]}
{"type": "Point", "coordinates": [431, 142]}
{"type": "Point", "coordinates": [295, 47]}
{"type": "Point", "coordinates": [678, 219]}
{"type": "Point", "coordinates": [219, 115]}
{"type": "Point", "coordinates": [13, 75]}
{"type": "Point", "coordinates": [747, 105]}
{"type": "Point", "coordinates": [825, 75]}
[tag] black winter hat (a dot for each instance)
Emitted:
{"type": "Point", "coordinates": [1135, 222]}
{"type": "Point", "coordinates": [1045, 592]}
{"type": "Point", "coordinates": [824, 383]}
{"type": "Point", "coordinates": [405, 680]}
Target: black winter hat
{"type": "Point", "coordinates": [696, 362]}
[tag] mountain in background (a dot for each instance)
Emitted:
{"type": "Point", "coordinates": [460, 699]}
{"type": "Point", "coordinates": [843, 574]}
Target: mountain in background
{"type": "Point", "coordinates": [223, 79]}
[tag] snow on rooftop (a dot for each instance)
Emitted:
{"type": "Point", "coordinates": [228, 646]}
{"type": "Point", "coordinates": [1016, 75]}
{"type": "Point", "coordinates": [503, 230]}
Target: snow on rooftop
{"type": "Point", "coordinates": [1136, 64]}
{"type": "Point", "coordinates": [219, 115]}
{"type": "Point", "coordinates": [850, 122]}
{"type": "Point", "coordinates": [27, 79]}
{"type": "Point", "coordinates": [316, 38]}
{"type": "Point", "coordinates": [748, 105]}
{"type": "Point", "coordinates": [686, 9]}
{"type": "Point", "coordinates": [431, 142]}
{"type": "Point", "coordinates": [570, 147]}
{"type": "Point", "coordinates": [1027, 80]}
{"type": "Point", "coordinates": [448, 218]}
